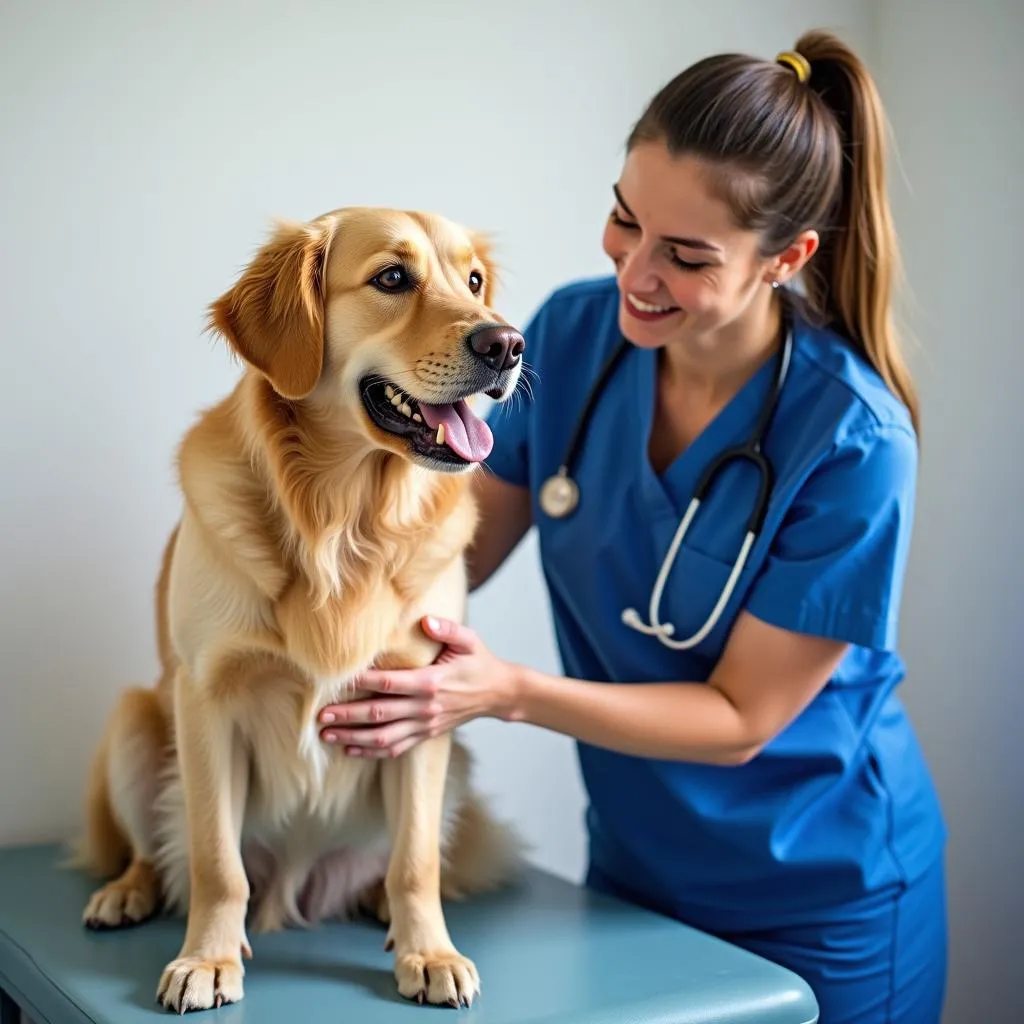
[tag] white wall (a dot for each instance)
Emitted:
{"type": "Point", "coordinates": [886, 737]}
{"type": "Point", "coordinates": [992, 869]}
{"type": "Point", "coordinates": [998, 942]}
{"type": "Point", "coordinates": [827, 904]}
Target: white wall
{"type": "Point", "coordinates": [954, 86]}
{"type": "Point", "coordinates": [146, 148]}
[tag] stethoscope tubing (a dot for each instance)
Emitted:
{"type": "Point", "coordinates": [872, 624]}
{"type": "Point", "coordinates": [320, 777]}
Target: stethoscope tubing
{"type": "Point", "coordinates": [560, 496]}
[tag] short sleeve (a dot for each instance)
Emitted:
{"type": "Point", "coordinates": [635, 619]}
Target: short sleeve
{"type": "Point", "coordinates": [837, 564]}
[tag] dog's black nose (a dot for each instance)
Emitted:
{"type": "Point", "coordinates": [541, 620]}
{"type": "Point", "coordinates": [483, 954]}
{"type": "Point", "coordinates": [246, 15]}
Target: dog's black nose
{"type": "Point", "coordinates": [498, 347]}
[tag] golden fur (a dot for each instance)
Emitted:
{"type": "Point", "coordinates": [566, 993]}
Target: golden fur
{"type": "Point", "coordinates": [311, 542]}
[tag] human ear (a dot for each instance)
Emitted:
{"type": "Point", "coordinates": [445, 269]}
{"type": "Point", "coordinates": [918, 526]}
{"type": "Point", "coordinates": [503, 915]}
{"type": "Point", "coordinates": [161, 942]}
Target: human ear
{"type": "Point", "coordinates": [790, 261]}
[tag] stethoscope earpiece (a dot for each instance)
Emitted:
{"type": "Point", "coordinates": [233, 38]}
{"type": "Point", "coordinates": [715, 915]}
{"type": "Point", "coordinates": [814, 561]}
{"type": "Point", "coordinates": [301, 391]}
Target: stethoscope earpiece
{"type": "Point", "coordinates": [560, 495]}
{"type": "Point", "coordinates": [631, 618]}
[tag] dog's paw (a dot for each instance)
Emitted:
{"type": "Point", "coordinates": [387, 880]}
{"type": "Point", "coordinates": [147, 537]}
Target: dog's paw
{"type": "Point", "coordinates": [196, 983]}
{"type": "Point", "coordinates": [120, 904]}
{"type": "Point", "coordinates": [445, 979]}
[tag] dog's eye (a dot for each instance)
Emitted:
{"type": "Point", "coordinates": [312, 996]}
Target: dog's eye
{"type": "Point", "coordinates": [476, 282]}
{"type": "Point", "coordinates": [393, 279]}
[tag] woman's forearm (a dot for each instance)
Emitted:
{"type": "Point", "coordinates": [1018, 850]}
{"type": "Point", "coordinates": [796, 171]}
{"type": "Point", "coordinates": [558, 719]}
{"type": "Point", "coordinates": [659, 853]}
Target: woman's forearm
{"type": "Point", "coordinates": [669, 721]}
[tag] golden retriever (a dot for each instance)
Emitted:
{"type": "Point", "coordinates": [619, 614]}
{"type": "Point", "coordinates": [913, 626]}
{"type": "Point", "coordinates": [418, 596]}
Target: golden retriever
{"type": "Point", "coordinates": [326, 509]}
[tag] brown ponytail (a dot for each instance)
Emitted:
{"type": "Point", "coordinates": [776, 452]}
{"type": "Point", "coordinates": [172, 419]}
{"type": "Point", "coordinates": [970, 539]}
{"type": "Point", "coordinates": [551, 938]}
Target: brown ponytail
{"type": "Point", "coordinates": [793, 150]}
{"type": "Point", "coordinates": [851, 278]}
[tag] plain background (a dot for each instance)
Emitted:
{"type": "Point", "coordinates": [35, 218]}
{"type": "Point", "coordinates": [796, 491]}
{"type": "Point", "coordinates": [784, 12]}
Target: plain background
{"type": "Point", "coordinates": [144, 150]}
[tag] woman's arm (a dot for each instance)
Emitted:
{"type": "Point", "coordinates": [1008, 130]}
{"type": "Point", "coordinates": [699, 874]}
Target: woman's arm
{"type": "Point", "coordinates": [504, 520]}
{"type": "Point", "coordinates": [836, 568]}
{"type": "Point", "coordinates": [765, 678]}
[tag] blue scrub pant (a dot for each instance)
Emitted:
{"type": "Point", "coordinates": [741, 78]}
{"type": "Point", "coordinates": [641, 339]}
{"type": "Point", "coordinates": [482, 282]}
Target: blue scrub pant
{"type": "Point", "coordinates": [880, 961]}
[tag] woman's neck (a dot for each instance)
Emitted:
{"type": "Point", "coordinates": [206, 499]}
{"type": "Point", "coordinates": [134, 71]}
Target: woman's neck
{"type": "Point", "coordinates": [697, 379]}
{"type": "Point", "coordinates": [712, 368]}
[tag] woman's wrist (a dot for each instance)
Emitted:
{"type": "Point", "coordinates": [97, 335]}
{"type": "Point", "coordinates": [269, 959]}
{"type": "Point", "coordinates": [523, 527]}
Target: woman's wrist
{"type": "Point", "coordinates": [513, 690]}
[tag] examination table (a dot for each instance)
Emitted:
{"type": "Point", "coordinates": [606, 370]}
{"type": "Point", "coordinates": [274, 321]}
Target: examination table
{"type": "Point", "coordinates": [548, 951]}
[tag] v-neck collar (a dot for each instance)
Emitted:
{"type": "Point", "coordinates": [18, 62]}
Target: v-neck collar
{"type": "Point", "coordinates": [669, 493]}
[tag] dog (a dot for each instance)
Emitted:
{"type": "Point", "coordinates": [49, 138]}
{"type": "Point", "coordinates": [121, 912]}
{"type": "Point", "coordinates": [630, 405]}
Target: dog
{"type": "Point", "coordinates": [327, 506]}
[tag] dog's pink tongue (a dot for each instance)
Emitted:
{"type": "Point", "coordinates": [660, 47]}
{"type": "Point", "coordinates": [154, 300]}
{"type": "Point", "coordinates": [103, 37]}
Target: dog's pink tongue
{"type": "Point", "coordinates": [466, 434]}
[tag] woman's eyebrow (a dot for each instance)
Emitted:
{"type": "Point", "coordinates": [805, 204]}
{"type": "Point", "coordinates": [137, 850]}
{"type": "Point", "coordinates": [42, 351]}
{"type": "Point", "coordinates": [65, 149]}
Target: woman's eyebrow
{"type": "Point", "coordinates": [689, 243]}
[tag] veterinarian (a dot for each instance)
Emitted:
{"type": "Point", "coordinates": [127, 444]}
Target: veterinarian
{"type": "Point", "coordinates": [750, 772]}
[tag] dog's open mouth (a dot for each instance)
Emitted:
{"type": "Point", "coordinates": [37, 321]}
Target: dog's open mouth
{"type": "Point", "coordinates": [450, 433]}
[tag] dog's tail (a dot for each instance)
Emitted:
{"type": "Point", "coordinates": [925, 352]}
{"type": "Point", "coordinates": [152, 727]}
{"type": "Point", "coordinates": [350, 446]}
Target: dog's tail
{"type": "Point", "coordinates": [482, 853]}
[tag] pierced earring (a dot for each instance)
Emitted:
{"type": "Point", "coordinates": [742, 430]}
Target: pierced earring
{"type": "Point", "coordinates": [775, 284]}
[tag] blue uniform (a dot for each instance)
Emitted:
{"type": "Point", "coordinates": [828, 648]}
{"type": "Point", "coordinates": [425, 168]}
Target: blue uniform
{"type": "Point", "coordinates": [836, 820]}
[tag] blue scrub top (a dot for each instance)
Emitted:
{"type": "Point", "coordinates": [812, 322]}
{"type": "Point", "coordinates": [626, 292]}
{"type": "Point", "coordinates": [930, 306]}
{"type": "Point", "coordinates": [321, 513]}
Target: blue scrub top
{"type": "Point", "coordinates": [840, 804]}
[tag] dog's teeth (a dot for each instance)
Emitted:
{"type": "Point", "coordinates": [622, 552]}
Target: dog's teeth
{"type": "Point", "coordinates": [405, 409]}
{"type": "Point", "coordinates": [389, 391]}
{"type": "Point", "coordinates": [440, 433]}
{"type": "Point", "coordinates": [397, 400]}
{"type": "Point", "coordinates": [417, 417]}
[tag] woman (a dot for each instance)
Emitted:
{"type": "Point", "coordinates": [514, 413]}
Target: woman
{"type": "Point", "coordinates": [763, 782]}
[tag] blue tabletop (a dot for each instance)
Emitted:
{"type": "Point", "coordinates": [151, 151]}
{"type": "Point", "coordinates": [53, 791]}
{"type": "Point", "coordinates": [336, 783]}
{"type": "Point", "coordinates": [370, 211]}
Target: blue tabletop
{"type": "Point", "coordinates": [547, 951]}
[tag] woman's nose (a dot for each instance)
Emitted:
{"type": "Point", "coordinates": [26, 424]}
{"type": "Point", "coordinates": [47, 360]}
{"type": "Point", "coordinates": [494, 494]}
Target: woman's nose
{"type": "Point", "coordinates": [637, 274]}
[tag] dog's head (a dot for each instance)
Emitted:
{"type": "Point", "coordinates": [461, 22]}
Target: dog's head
{"type": "Point", "coordinates": [382, 319]}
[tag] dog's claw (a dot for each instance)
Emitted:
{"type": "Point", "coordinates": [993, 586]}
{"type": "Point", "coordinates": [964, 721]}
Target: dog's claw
{"type": "Point", "coordinates": [124, 903]}
{"type": "Point", "coordinates": [449, 980]}
{"type": "Point", "coordinates": [198, 983]}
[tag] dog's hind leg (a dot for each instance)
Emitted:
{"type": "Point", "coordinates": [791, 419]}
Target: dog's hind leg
{"type": "Point", "coordinates": [120, 834]}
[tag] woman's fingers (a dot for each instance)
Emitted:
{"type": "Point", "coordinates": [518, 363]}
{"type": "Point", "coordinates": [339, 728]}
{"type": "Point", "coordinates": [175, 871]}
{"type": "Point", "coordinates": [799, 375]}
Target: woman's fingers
{"type": "Point", "coordinates": [404, 682]}
{"type": "Point", "coordinates": [390, 752]}
{"type": "Point", "coordinates": [380, 741]}
{"type": "Point", "coordinates": [458, 637]}
{"type": "Point", "coordinates": [376, 712]}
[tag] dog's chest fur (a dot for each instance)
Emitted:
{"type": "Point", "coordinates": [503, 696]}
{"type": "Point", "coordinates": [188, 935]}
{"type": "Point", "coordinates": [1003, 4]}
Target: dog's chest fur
{"type": "Point", "coordinates": [313, 816]}
{"type": "Point", "coordinates": [275, 609]}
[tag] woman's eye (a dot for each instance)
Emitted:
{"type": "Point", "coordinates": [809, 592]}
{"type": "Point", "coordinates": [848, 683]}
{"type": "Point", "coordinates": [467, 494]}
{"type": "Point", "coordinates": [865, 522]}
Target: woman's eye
{"type": "Point", "coordinates": [394, 279]}
{"type": "Point", "coordinates": [620, 222]}
{"type": "Point", "coordinates": [684, 264]}
{"type": "Point", "coordinates": [476, 282]}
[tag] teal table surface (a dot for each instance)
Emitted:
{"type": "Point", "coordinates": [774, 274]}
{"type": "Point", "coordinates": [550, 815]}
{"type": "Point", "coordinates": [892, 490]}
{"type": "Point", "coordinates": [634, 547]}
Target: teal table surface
{"type": "Point", "coordinates": [547, 951]}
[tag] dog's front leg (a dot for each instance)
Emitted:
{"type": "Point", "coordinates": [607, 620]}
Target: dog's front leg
{"type": "Point", "coordinates": [427, 965]}
{"type": "Point", "coordinates": [208, 971]}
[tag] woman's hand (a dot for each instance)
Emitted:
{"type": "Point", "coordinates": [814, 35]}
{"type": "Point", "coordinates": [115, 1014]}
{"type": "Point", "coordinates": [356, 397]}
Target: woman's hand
{"type": "Point", "coordinates": [406, 706]}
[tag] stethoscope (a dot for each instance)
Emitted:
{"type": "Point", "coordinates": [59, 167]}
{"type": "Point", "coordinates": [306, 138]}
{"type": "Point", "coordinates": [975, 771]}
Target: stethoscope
{"type": "Point", "coordinates": [560, 494]}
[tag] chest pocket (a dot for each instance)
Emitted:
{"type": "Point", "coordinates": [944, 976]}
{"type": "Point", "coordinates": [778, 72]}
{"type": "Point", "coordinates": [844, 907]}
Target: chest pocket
{"type": "Point", "coordinates": [691, 595]}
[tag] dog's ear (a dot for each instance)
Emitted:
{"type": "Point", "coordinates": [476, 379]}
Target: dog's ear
{"type": "Point", "coordinates": [484, 249]}
{"type": "Point", "coordinates": [273, 317]}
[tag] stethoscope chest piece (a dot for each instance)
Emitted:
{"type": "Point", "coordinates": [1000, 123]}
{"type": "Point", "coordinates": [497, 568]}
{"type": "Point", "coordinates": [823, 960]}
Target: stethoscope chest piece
{"type": "Point", "coordinates": [559, 495]}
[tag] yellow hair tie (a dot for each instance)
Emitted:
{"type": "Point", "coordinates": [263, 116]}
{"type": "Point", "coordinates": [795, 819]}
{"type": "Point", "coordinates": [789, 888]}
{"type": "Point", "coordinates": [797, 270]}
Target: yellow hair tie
{"type": "Point", "coordinates": [797, 61]}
